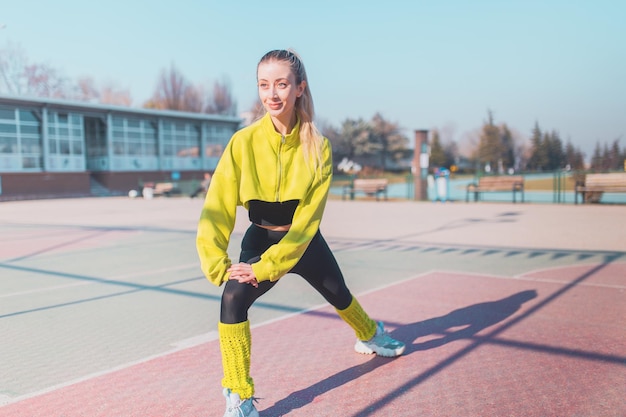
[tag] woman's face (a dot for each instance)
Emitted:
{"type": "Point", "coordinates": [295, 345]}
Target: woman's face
{"type": "Point", "coordinates": [278, 90]}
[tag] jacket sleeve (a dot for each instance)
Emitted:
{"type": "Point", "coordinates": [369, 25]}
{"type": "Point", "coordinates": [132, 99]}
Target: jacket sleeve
{"type": "Point", "coordinates": [281, 257]}
{"type": "Point", "coordinates": [217, 219]}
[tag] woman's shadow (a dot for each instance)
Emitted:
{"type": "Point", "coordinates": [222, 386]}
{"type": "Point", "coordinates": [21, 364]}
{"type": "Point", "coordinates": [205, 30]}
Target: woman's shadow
{"type": "Point", "coordinates": [459, 324]}
{"type": "Point", "coordinates": [463, 323]}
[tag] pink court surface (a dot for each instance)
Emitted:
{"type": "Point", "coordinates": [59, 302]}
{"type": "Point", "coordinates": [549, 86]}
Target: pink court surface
{"type": "Point", "coordinates": [506, 310]}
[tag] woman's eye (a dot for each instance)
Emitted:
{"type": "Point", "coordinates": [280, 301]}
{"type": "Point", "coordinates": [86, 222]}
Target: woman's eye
{"type": "Point", "coordinates": [262, 85]}
{"type": "Point", "coordinates": [282, 85]}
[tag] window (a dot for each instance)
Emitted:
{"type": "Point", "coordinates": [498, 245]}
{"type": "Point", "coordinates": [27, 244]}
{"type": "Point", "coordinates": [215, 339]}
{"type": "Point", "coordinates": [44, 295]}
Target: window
{"type": "Point", "coordinates": [134, 137]}
{"type": "Point", "coordinates": [8, 128]}
{"type": "Point", "coordinates": [31, 145]}
{"type": "Point", "coordinates": [29, 129]}
{"type": "Point", "coordinates": [31, 162]}
{"type": "Point", "coordinates": [7, 114]}
{"type": "Point", "coordinates": [28, 116]}
{"type": "Point", "coordinates": [181, 139]}
{"type": "Point", "coordinates": [20, 137]}
{"type": "Point", "coordinates": [8, 144]}
{"type": "Point", "coordinates": [95, 138]}
{"type": "Point", "coordinates": [65, 134]}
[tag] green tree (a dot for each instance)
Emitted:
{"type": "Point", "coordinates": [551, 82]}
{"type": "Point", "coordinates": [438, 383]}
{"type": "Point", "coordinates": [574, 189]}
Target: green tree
{"type": "Point", "coordinates": [491, 150]}
{"type": "Point", "coordinates": [388, 137]}
{"type": "Point", "coordinates": [508, 147]}
{"type": "Point", "coordinates": [354, 139]}
{"type": "Point", "coordinates": [449, 148]}
{"type": "Point", "coordinates": [616, 160]}
{"type": "Point", "coordinates": [538, 159]}
{"type": "Point", "coordinates": [437, 152]}
{"type": "Point", "coordinates": [574, 157]}
{"type": "Point", "coordinates": [554, 151]}
{"type": "Point", "coordinates": [596, 158]}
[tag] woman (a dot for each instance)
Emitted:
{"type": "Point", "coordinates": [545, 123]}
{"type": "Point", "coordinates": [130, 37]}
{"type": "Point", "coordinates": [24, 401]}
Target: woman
{"type": "Point", "coordinates": [279, 169]}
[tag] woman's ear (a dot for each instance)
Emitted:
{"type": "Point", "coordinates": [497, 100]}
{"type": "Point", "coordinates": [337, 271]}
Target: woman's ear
{"type": "Point", "coordinates": [301, 88]}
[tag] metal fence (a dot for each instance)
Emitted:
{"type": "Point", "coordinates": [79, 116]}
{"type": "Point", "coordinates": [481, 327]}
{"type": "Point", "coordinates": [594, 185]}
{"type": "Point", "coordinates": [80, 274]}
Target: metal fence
{"type": "Point", "coordinates": [555, 187]}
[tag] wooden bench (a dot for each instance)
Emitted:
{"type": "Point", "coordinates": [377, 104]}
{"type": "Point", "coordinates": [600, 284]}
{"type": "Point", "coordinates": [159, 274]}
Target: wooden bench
{"type": "Point", "coordinates": [595, 184]}
{"type": "Point", "coordinates": [163, 188]}
{"type": "Point", "coordinates": [371, 187]}
{"type": "Point", "coordinates": [513, 183]}
{"type": "Point", "coordinates": [152, 189]}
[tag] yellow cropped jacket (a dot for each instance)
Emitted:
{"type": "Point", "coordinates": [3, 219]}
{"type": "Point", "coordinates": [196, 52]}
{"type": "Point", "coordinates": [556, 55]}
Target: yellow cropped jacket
{"type": "Point", "coordinates": [261, 164]}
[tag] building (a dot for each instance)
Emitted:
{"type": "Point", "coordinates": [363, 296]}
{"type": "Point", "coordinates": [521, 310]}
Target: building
{"type": "Point", "coordinates": [58, 148]}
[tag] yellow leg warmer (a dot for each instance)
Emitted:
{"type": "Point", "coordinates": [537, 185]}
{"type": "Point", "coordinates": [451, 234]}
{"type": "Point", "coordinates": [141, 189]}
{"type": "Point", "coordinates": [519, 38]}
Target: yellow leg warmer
{"type": "Point", "coordinates": [357, 318]}
{"type": "Point", "coordinates": [235, 343]}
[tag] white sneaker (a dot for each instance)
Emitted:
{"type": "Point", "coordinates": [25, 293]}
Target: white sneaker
{"type": "Point", "coordinates": [381, 344]}
{"type": "Point", "coordinates": [237, 408]}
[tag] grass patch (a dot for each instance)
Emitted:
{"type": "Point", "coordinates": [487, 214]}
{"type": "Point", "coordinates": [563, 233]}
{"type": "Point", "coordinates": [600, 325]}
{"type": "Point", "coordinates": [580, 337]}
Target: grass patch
{"type": "Point", "coordinates": [547, 184]}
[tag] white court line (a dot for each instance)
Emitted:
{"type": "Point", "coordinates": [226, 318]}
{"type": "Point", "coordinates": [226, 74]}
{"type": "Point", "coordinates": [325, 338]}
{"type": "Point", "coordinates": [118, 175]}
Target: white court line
{"type": "Point", "coordinates": [119, 277]}
{"type": "Point", "coordinates": [178, 346]}
{"type": "Point", "coordinates": [213, 335]}
{"type": "Point", "coordinates": [525, 276]}
{"type": "Point", "coordinates": [522, 277]}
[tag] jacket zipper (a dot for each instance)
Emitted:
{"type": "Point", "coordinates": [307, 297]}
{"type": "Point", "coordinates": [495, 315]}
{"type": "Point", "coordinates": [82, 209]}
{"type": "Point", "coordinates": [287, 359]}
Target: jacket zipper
{"type": "Point", "coordinates": [280, 166]}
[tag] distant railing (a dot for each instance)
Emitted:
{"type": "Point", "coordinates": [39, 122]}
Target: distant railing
{"type": "Point", "coordinates": [552, 187]}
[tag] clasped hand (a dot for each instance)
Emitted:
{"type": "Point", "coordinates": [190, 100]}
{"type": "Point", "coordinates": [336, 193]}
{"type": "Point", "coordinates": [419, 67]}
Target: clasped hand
{"type": "Point", "coordinates": [243, 273]}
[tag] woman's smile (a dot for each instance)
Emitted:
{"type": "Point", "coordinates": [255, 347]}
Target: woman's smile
{"type": "Point", "coordinates": [275, 105]}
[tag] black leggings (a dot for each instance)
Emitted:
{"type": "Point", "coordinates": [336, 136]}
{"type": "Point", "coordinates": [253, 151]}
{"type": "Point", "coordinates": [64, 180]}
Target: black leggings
{"type": "Point", "coordinates": [317, 266]}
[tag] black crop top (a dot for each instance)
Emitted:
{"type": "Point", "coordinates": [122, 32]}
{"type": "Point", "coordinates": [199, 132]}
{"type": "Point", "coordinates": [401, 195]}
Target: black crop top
{"type": "Point", "coordinates": [265, 213]}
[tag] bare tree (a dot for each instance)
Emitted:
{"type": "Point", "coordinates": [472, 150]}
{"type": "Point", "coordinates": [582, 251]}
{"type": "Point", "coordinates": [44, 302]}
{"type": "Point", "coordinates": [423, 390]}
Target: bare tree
{"type": "Point", "coordinates": [256, 112]}
{"type": "Point", "coordinates": [20, 77]}
{"type": "Point", "coordinates": [221, 100]}
{"type": "Point", "coordinates": [174, 92]}
{"type": "Point", "coordinates": [44, 81]}
{"type": "Point", "coordinates": [112, 94]}
{"type": "Point", "coordinates": [192, 99]}
{"type": "Point", "coordinates": [86, 89]}
{"type": "Point", "coordinates": [13, 62]}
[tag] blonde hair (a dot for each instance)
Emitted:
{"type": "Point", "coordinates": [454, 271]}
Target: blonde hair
{"type": "Point", "coordinates": [310, 137]}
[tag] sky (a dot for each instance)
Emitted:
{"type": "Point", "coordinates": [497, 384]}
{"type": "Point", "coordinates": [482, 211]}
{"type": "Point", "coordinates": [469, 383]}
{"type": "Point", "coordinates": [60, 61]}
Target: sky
{"type": "Point", "coordinates": [421, 64]}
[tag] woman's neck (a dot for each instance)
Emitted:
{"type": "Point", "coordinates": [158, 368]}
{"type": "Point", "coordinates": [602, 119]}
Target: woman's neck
{"type": "Point", "coordinates": [284, 127]}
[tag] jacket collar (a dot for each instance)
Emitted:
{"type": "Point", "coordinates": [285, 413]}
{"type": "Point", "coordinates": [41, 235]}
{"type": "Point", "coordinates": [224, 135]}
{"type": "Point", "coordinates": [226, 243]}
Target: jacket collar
{"type": "Point", "coordinates": [291, 139]}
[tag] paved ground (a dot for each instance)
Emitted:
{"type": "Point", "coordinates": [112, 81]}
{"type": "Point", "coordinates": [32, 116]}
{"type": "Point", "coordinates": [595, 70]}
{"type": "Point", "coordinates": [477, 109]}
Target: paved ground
{"type": "Point", "coordinates": [507, 310]}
